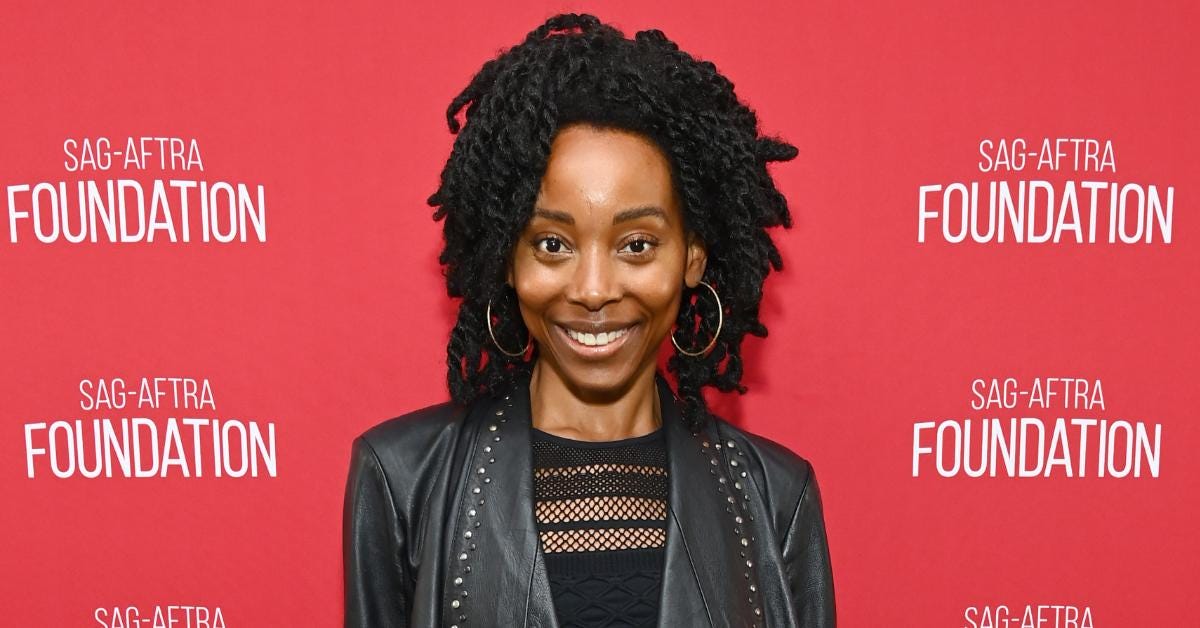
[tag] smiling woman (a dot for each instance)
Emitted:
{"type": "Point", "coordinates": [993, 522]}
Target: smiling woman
{"type": "Point", "coordinates": [603, 194]}
{"type": "Point", "coordinates": [597, 271]}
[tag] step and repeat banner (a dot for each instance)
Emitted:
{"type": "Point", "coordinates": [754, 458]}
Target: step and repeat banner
{"type": "Point", "coordinates": [218, 267]}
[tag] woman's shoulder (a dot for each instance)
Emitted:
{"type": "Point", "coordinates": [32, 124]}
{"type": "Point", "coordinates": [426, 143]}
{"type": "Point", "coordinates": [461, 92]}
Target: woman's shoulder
{"type": "Point", "coordinates": [781, 475]}
{"type": "Point", "coordinates": [414, 439]}
{"type": "Point", "coordinates": [400, 461]}
{"type": "Point", "coordinates": [426, 421]}
{"type": "Point", "coordinates": [777, 458]}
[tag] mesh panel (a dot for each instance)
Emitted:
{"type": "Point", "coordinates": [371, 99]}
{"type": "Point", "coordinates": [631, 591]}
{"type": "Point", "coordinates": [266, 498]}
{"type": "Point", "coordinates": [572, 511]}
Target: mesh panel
{"type": "Point", "coordinates": [601, 539]}
{"type": "Point", "coordinates": [601, 509]}
{"type": "Point", "coordinates": [600, 496]}
{"type": "Point", "coordinates": [601, 515]}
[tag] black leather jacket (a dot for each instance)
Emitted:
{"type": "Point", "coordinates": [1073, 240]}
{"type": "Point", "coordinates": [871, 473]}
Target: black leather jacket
{"type": "Point", "coordinates": [439, 525]}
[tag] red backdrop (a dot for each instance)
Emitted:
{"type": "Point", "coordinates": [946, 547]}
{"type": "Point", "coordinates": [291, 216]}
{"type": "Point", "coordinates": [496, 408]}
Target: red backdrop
{"type": "Point", "coordinates": [336, 319]}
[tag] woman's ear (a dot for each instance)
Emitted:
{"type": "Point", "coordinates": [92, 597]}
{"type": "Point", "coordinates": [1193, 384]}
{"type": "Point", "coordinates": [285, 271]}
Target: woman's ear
{"type": "Point", "coordinates": [697, 260]}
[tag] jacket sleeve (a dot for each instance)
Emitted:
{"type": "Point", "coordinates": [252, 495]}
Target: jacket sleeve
{"type": "Point", "coordinates": [377, 582]}
{"type": "Point", "coordinates": [806, 559]}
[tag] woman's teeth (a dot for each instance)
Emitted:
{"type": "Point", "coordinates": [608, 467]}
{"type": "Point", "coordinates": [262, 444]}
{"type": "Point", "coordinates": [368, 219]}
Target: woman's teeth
{"type": "Point", "coordinates": [596, 340]}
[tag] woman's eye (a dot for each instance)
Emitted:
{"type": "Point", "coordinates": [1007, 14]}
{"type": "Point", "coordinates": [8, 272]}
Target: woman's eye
{"type": "Point", "coordinates": [639, 246]}
{"type": "Point", "coordinates": [550, 245]}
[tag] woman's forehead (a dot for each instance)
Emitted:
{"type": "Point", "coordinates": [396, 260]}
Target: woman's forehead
{"type": "Point", "coordinates": [601, 173]}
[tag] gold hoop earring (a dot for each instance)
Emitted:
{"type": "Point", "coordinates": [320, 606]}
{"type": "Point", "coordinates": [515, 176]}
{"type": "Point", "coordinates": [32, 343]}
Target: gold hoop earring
{"type": "Point", "coordinates": [720, 323]}
{"type": "Point", "coordinates": [491, 333]}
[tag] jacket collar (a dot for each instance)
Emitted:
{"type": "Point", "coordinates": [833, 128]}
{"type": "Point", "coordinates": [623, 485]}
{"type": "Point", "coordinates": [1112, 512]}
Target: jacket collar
{"type": "Point", "coordinates": [497, 573]}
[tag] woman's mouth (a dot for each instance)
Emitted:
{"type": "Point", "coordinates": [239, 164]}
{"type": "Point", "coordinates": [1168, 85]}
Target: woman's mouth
{"type": "Point", "coordinates": [595, 345]}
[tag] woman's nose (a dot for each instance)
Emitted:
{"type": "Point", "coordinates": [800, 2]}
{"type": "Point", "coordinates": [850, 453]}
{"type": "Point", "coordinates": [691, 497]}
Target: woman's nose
{"type": "Point", "coordinates": [594, 282]}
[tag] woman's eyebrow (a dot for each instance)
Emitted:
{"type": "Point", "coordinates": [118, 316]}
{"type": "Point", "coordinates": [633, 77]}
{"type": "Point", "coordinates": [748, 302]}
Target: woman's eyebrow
{"type": "Point", "coordinates": [640, 212]}
{"type": "Point", "coordinates": [555, 215]}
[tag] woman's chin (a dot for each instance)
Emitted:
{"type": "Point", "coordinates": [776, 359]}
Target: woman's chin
{"type": "Point", "coordinates": [599, 382]}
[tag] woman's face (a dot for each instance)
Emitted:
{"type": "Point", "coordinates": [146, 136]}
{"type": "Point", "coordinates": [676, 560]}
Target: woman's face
{"type": "Point", "coordinates": [600, 268]}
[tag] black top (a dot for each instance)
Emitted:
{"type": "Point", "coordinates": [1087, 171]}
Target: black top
{"type": "Point", "coordinates": [601, 514]}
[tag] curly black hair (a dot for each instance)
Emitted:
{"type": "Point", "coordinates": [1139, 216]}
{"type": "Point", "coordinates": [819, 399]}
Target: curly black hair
{"type": "Point", "coordinates": [576, 69]}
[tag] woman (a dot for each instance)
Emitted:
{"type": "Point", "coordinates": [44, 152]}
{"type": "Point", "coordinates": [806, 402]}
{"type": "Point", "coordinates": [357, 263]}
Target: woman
{"type": "Point", "coordinates": [603, 194]}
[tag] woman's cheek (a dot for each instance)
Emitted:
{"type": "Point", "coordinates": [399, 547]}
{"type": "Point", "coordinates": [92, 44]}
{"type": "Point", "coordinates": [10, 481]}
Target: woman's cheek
{"type": "Point", "coordinates": [536, 284]}
{"type": "Point", "coordinates": [659, 290]}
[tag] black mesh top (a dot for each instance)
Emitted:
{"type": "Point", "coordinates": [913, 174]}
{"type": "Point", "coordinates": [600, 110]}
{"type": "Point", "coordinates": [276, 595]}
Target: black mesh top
{"type": "Point", "coordinates": [601, 514]}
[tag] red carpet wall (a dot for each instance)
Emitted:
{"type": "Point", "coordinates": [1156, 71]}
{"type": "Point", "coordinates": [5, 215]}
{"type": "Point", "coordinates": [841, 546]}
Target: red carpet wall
{"type": "Point", "coordinates": [984, 337]}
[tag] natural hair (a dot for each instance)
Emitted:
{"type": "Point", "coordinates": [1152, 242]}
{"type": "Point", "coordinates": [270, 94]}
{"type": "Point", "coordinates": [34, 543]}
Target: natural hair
{"type": "Point", "coordinates": [576, 69]}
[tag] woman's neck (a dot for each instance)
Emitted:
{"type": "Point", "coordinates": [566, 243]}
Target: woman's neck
{"type": "Point", "coordinates": [559, 409]}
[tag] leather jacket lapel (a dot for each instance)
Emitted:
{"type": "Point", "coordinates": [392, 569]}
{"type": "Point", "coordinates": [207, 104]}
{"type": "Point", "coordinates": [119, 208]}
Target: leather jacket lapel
{"type": "Point", "coordinates": [708, 577]}
{"type": "Point", "coordinates": [497, 576]}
